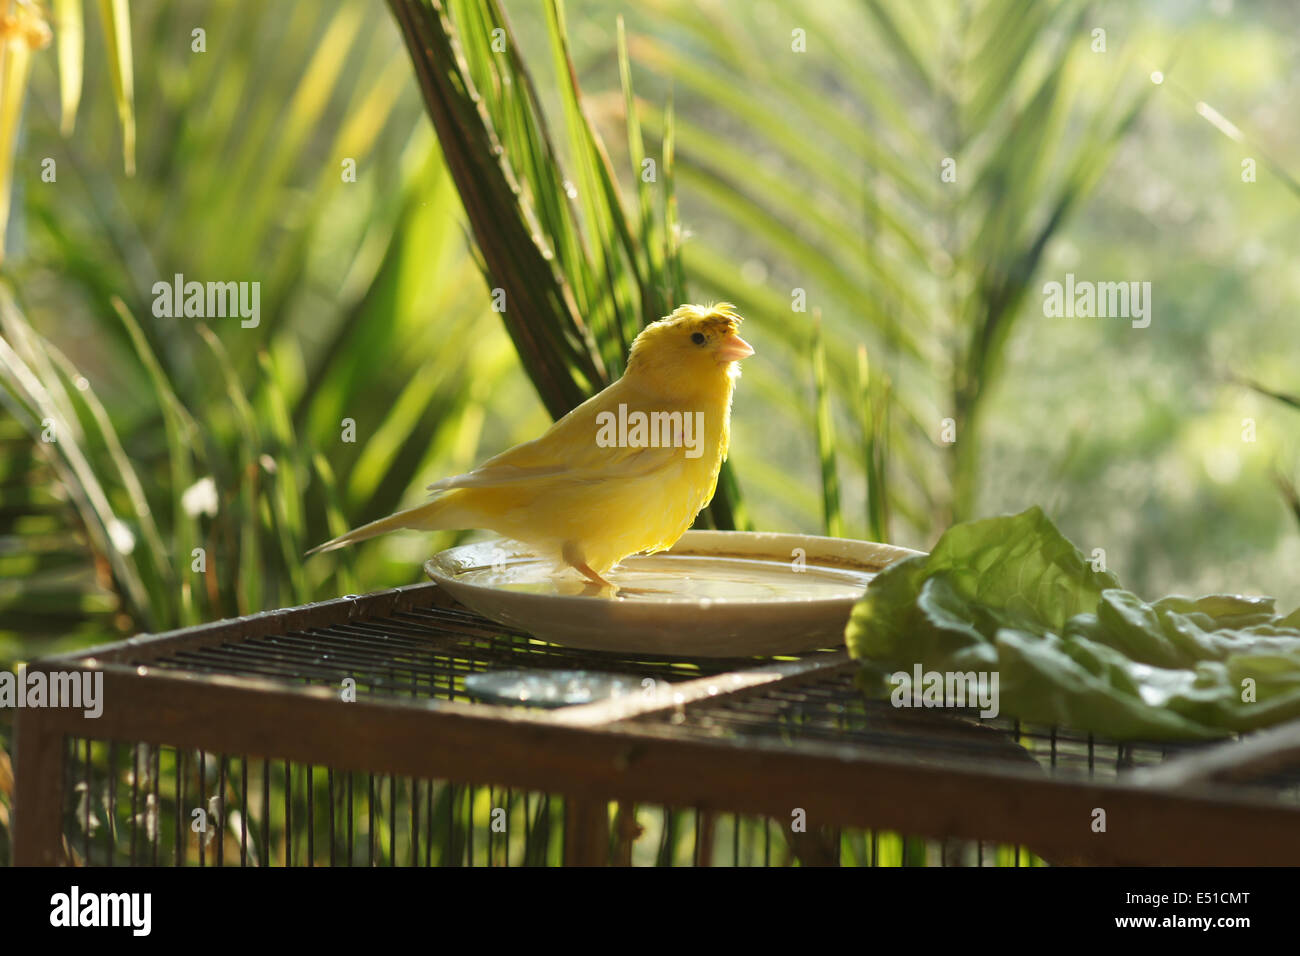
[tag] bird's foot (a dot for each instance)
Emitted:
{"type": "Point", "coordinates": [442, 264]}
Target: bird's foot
{"type": "Point", "coordinates": [585, 570]}
{"type": "Point", "coordinates": [574, 557]}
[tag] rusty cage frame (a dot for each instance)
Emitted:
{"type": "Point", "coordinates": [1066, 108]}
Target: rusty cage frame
{"type": "Point", "coordinates": [752, 737]}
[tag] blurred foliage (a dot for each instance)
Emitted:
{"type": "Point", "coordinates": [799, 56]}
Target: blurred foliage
{"type": "Point", "coordinates": [24, 30]}
{"type": "Point", "coordinates": [572, 298]}
{"type": "Point", "coordinates": [796, 147]}
{"type": "Point", "coordinates": [144, 409]}
{"type": "Point", "coordinates": [908, 179]}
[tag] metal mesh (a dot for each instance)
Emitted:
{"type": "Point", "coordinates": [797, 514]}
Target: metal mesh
{"type": "Point", "coordinates": [135, 803]}
{"type": "Point", "coordinates": [155, 805]}
{"type": "Point", "coordinates": [423, 652]}
{"type": "Point", "coordinates": [146, 805]}
{"type": "Point", "coordinates": [828, 708]}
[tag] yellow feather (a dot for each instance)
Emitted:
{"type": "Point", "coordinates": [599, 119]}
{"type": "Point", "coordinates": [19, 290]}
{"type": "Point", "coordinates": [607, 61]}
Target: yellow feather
{"type": "Point", "coordinates": [593, 489]}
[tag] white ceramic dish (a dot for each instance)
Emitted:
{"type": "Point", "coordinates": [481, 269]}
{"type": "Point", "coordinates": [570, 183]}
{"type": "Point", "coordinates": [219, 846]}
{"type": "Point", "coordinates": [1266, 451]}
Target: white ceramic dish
{"type": "Point", "coordinates": [713, 594]}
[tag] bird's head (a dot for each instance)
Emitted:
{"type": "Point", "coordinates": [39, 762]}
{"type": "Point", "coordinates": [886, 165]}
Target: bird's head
{"type": "Point", "coordinates": [696, 348]}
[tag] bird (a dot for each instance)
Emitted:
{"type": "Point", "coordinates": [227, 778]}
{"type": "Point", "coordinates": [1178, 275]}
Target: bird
{"type": "Point", "coordinates": [624, 473]}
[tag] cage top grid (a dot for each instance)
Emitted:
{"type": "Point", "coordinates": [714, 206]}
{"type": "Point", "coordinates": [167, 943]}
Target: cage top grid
{"type": "Point", "coordinates": [748, 735]}
{"type": "Point", "coordinates": [825, 706]}
{"type": "Point", "coordinates": [425, 646]}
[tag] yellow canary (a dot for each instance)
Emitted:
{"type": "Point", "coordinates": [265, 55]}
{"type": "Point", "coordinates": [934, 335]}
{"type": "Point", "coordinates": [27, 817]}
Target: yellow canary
{"type": "Point", "coordinates": [626, 471]}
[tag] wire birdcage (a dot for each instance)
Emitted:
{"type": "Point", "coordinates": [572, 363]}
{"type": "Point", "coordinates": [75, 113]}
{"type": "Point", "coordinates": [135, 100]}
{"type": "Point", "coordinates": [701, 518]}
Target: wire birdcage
{"type": "Point", "coordinates": [343, 734]}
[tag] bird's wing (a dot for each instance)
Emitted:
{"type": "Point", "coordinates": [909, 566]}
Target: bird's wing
{"type": "Point", "coordinates": [610, 463]}
{"type": "Point", "coordinates": [568, 449]}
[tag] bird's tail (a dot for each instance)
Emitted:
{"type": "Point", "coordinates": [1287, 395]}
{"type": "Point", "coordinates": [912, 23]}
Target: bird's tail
{"type": "Point", "coordinates": [426, 517]}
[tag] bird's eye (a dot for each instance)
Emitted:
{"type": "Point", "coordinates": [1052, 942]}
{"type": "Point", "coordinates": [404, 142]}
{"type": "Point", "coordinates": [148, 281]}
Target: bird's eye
{"type": "Point", "coordinates": [697, 338]}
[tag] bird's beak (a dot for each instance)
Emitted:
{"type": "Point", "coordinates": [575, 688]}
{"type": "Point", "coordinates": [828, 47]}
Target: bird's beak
{"type": "Point", "coordinates": [733, 349]}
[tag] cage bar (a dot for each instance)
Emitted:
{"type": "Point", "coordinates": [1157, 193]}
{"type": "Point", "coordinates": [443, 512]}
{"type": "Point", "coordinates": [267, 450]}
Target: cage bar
{"type": "Point", "coordinates": [239, 744]}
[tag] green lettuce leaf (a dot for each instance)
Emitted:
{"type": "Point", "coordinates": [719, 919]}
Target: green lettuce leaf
{"type": "Point", "coordinates": [1012, 596]}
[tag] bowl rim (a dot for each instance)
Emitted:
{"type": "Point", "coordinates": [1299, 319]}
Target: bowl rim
{"type": "Point", "coordinates": [847, 554]}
